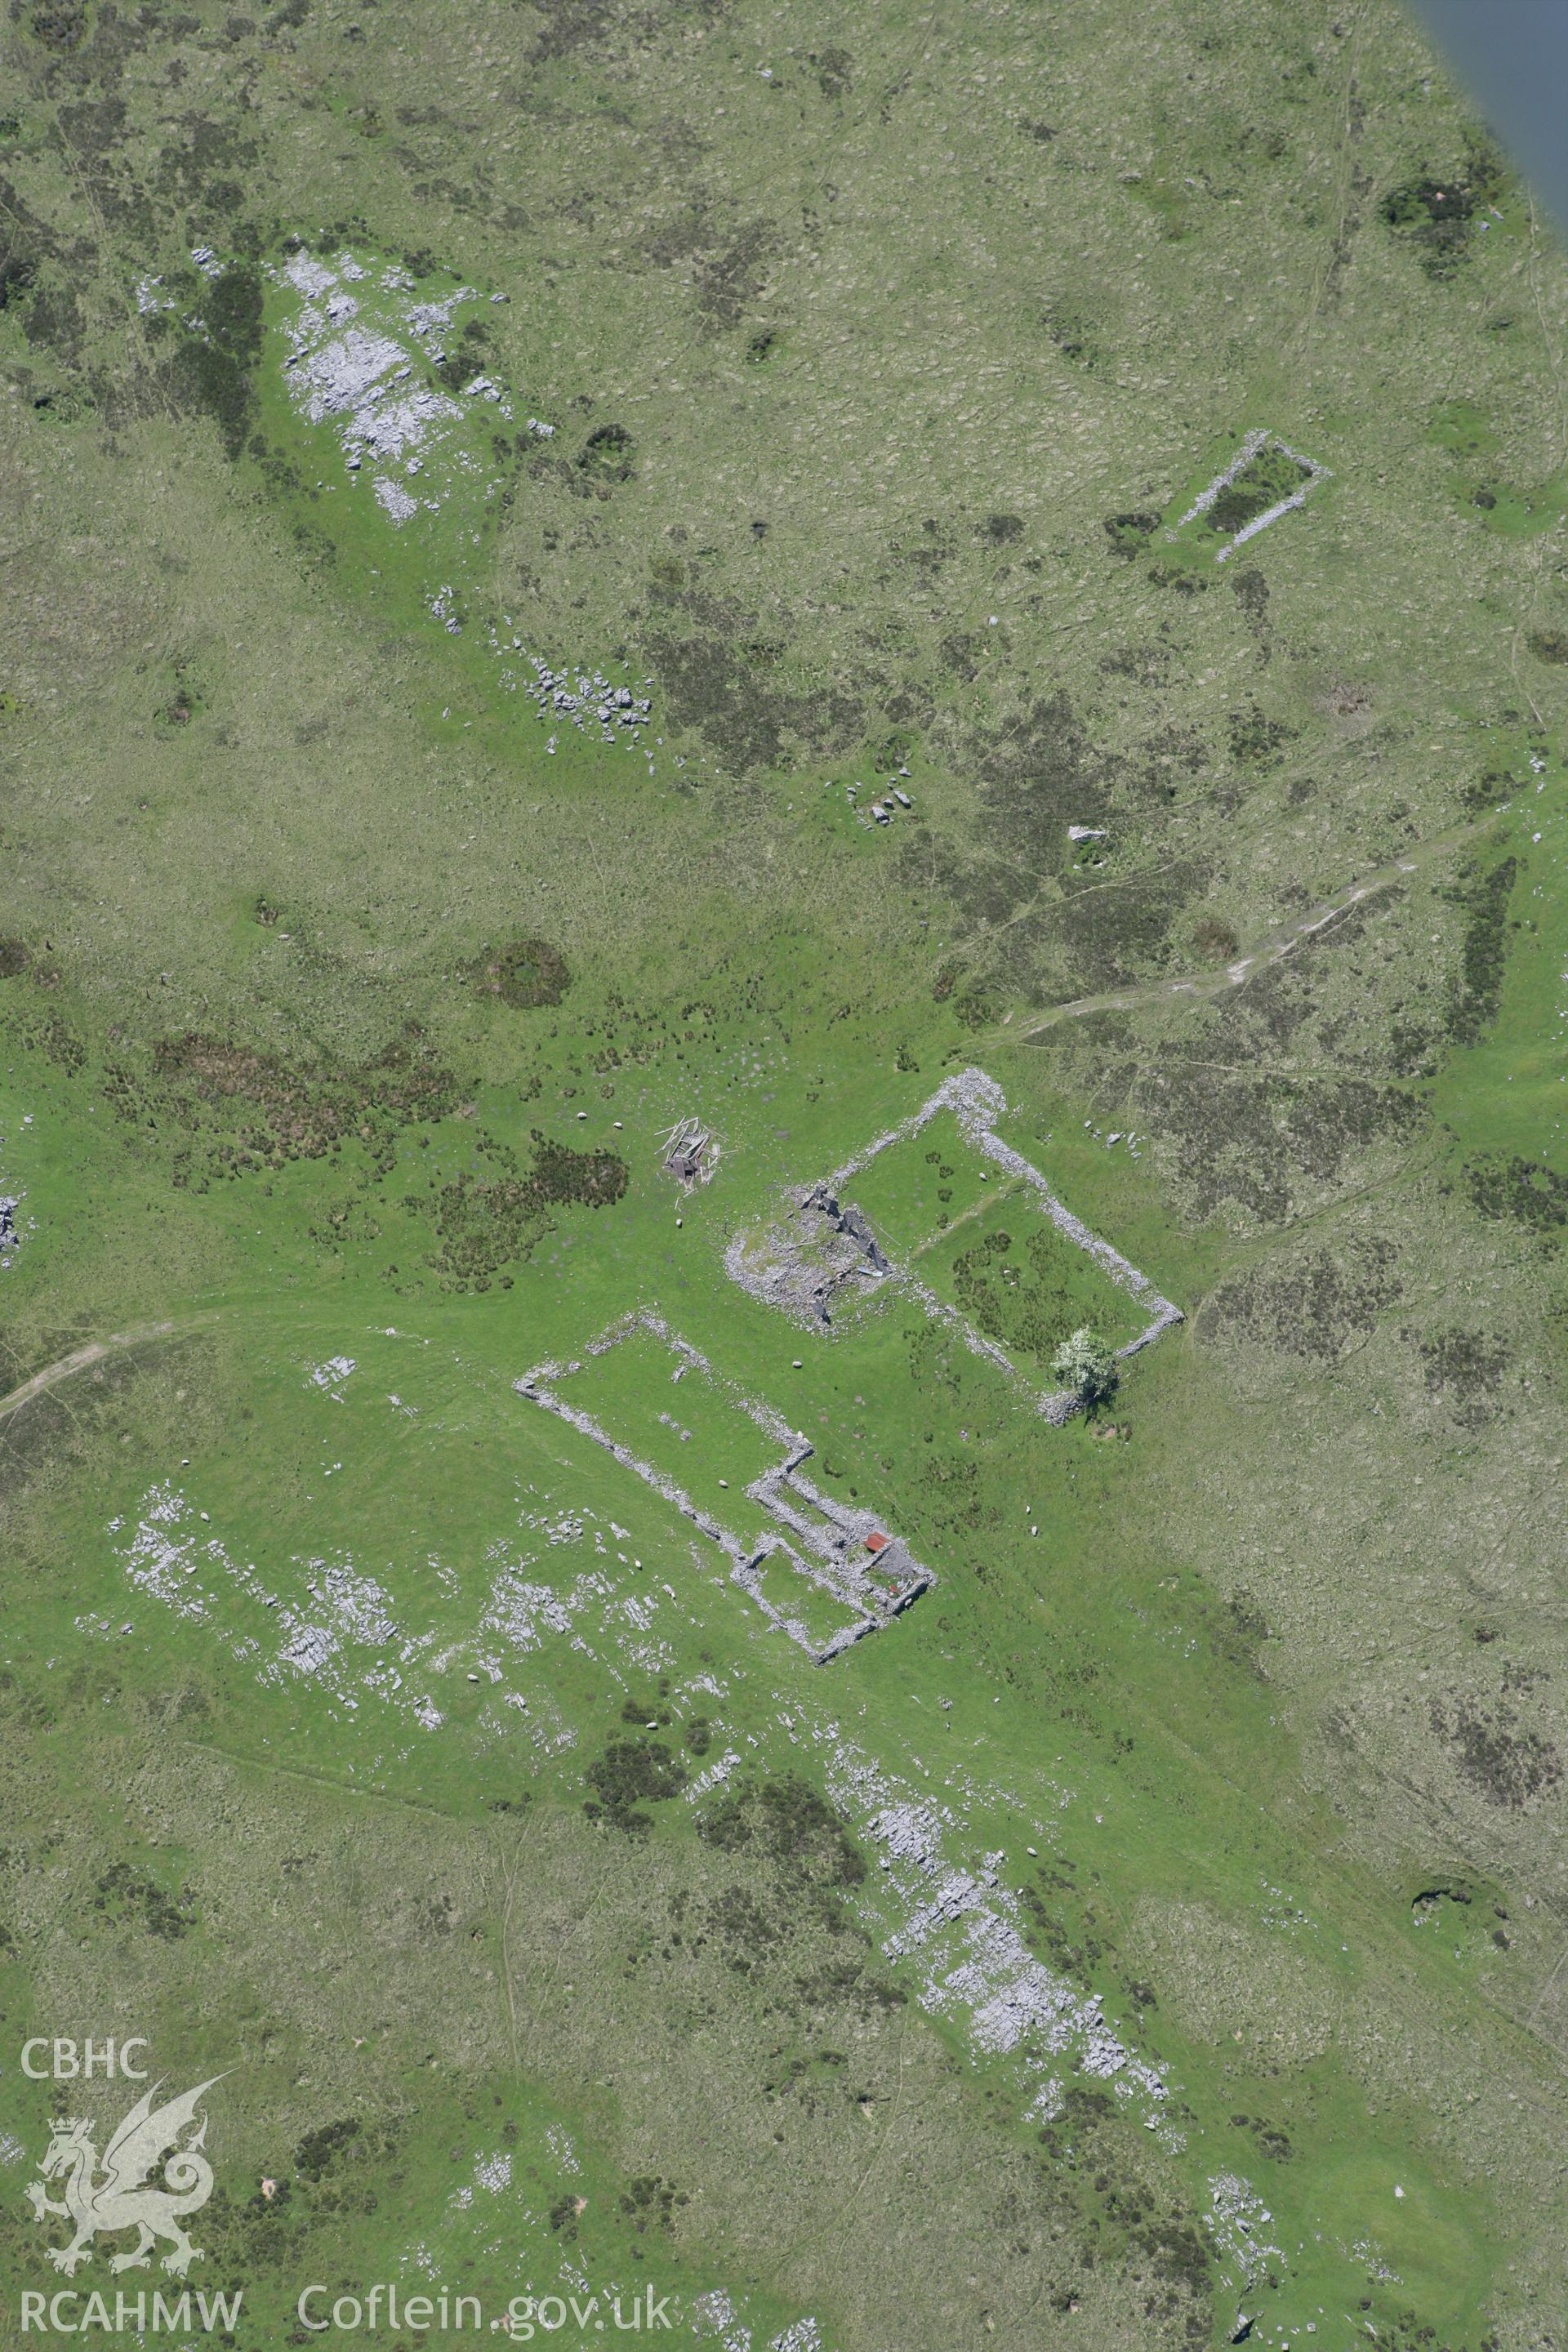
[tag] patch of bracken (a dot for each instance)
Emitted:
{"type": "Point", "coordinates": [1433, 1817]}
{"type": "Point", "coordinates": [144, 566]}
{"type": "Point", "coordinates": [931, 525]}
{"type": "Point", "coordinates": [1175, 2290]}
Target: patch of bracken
{"type": "Point", "coordinates": [1507, 1762]}
{"type": "Point", "coordinates": [1520, 1191]}
{"type": "Point", "coordinates": [630, 1774]}
{"type": "Point", "coordinates": [525, 974]}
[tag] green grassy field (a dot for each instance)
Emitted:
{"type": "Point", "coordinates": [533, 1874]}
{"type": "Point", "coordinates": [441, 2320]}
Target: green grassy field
{"type": "Point", "coordinates": [1156, 1934]}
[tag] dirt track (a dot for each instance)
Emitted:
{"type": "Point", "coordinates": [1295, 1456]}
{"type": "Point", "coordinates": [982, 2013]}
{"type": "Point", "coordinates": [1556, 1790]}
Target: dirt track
{"type": "Point", "coordinates": [1269, 949]}
{"type": "Point", "coordinates": [81, 1359]}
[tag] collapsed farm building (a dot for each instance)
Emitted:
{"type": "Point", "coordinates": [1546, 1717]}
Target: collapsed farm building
{"type": "Point", "coordinates": [822, 1256]}
{"type": "Point", "coordinates": [1265, 479]}
{"type": "Point", "coordinates": [822, 1251]}
{"type": "Point", "coordinates": [823, 1573]}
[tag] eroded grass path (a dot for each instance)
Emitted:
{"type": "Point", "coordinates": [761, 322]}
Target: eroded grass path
{"type": "Point", "coordinates": [96, 1351]}
{"type": "Point", "coordinates": [81, 1359]}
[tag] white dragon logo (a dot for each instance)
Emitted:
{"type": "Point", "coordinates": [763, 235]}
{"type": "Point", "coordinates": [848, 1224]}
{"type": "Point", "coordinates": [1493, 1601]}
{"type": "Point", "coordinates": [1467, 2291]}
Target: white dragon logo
{"type": "Point", "coordinates": [125, 2197]}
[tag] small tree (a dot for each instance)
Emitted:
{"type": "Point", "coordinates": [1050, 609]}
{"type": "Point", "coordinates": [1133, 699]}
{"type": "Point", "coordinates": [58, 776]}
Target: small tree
{"type": "Point", "coordinates": [1086, 1366]}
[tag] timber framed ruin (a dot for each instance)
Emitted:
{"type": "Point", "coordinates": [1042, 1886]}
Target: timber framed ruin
{"type": "Point", "coordinates": [689, 1153]}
